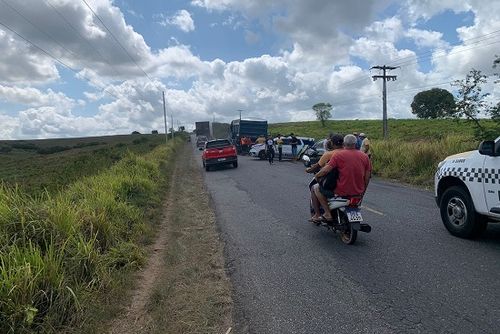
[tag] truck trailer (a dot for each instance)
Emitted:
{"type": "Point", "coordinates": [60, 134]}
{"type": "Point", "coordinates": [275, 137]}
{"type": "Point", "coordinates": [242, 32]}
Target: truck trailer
{"type": "Point", "coordinates": [246, 128]}
{"type": "Point", "coordinates": [203, 129]}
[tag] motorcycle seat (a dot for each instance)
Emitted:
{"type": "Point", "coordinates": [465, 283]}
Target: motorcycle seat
{"type": "Point", "coordinates": [337, 202]}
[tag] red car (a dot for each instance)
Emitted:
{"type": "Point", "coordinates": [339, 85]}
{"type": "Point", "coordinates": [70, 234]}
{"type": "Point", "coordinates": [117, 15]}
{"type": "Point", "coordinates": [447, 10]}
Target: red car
{"type": "Point", "coordinates": [219, 152]}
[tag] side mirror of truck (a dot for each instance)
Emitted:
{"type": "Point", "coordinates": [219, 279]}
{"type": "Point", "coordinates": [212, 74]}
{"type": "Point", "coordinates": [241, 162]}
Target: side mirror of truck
{"type": "Point", "coordinates": [487, 147]}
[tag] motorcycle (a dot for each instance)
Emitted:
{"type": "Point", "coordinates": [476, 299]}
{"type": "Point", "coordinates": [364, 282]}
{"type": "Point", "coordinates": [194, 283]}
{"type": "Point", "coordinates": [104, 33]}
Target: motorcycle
{"type": "Point", "coordinates": [347, 217]}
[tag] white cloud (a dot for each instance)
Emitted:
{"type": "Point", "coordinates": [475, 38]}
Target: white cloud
{"type": "Point", "coordinates": [182, 19]}
{"type": "Point", "coordinates": [34, 97]}
{"type": "Point", "coordinates": [426, 39]}
{"type": "Point", "coordinates": [325, 50]}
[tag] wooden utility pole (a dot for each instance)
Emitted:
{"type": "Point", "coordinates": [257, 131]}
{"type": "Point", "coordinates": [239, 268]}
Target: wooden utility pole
{"type": "Point", "coordinates": [385, 78]}
{"type": "Point", "coordinates": [165, 118]}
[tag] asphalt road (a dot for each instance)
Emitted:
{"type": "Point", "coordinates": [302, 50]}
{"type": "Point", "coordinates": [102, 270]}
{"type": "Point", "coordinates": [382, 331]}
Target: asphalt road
{"type": "Point", "coordinates": [409, 275]}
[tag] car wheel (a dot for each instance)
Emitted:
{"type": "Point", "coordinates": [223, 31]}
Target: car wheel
{"type": "Point", "coordinates": [207, 168]}
{"type": "Point", "coordinates": [235, 164]}
{"type": "Point", "coordinates": [458, 214]}
{"type": "Point", "coordinates": [262, 155]}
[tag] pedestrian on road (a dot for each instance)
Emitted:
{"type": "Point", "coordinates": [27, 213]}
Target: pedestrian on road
{"type": "Point", "coordinates": [261, 140]}
{"type": "Point", "coordinates": [294, 142]}
{"type": "Point", "coordinates": [270, 149]}
{"type": "Point", "coordinates": [365, 145]}
{"type": "Point", "coordinates": [358, 140]}
{"type": "Point", "coordinates": [279, 141]}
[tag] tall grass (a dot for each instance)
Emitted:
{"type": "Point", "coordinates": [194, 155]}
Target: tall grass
{"type": "Point", "coordinates": [415, 162]}
{"type": "Point", "coordinates": [56, 250]}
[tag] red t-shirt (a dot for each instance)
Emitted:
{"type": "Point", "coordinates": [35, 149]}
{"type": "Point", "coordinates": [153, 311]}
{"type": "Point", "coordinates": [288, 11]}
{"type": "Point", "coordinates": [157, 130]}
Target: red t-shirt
{"type": "Point", "coordinates": [352, 166]}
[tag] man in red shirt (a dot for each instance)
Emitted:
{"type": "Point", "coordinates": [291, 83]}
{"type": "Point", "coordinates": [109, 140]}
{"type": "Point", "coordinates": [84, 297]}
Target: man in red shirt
{"type": "Point", "coordinates": [354, 169]}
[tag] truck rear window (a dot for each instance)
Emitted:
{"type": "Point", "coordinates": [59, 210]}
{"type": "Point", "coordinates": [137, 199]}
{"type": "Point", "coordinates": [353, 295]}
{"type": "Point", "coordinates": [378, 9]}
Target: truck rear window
{"type": "Point", "coordinates": [218, 143]}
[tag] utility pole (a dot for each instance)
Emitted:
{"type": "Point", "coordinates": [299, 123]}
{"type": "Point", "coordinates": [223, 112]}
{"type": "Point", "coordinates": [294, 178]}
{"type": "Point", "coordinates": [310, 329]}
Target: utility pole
{"type": "Point", "coordinates": [385, 78]}
{"type": "Point", "coordinates": [172, 122]}
{"type": "Point", "coordinates": [165, 118]}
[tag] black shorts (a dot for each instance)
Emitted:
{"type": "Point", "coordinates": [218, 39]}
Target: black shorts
{"type": "Point", "coordinates": [326, 192]}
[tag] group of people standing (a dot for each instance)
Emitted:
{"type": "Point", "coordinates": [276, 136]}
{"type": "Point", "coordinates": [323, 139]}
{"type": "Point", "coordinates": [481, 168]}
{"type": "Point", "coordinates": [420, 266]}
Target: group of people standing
{"type": "Point", "coordinates": [363, 143]}
{"type": "Point", "coordinates": [271, 145]}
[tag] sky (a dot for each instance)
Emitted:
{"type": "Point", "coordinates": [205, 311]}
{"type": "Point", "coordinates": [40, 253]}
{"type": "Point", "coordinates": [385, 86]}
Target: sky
{"type": "Point", "coordinates": [71, 68]}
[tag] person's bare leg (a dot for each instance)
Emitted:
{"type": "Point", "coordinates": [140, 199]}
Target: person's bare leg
{"type": "Point", "coordinates": [315, 204]}
{"type": "Point", "coordinates": [324, 202]}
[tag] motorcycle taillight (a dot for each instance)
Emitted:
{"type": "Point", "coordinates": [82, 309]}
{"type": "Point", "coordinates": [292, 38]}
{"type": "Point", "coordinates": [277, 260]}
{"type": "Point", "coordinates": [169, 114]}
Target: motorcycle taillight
{"type": "Point", "coordinates": [355, 201]}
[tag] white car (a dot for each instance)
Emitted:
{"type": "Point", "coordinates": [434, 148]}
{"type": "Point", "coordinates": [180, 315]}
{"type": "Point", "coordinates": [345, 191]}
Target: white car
{"type": "Point", "coordinates": [467, 189]}
{"type": "Point", "coordinates": [259, 150]}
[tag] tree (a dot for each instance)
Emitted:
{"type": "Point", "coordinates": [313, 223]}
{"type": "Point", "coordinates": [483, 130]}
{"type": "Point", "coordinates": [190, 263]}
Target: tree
{"type": "Point", "coordinates": [323, 111]}
{"type": "Point", "coordinates": [433, 103]}
{"type": "Point", "coordinates": [470, 100]}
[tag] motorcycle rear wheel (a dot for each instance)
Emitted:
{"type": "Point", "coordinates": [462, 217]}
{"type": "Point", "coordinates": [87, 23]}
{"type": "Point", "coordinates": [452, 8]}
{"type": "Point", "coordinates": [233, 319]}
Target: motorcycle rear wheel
{"type": "Point", "coordinates": [347, 235]}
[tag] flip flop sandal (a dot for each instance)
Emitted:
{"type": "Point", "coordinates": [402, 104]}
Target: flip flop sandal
{"type": "Point", "coordinates": [330, 221]}
{"type": "Point", "coordinates": [316, 221]}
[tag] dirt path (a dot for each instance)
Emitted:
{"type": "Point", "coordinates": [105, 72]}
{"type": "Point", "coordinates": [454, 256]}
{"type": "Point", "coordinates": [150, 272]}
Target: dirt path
{"type": "Point", "coordinates": [183, 287]}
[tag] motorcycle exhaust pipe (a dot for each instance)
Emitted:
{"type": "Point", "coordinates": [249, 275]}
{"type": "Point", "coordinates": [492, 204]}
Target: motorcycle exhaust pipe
{"type": "Point", "coordinates": [365, 228]}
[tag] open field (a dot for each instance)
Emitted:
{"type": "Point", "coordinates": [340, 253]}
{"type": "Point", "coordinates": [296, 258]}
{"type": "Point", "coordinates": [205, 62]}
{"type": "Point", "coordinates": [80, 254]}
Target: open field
{"type": "Point", "coordinates": [51, 164]}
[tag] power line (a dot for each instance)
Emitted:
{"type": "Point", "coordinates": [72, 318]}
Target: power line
{"type": "Point", "coordinates": [117, 41]}
{"type": "Point", "coordinates": [88, 43]}
{"type": "Point", "coordinates": [81, 37]}
{"type": "Point", "coordinates": [395, 62]}
{"type": "Point", "coordinates": [38, 28]}
{"type": "Point", "coordinates": [56, 59]}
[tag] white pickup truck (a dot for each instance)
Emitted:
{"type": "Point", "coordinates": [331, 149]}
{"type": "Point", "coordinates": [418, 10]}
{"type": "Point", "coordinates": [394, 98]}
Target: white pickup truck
{"type": "Point", "coordinates": [467, 189]}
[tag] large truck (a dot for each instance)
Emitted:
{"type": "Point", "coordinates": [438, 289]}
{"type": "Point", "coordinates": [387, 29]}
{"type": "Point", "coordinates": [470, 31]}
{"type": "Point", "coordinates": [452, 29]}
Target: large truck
{"type": "Point", "coordinates": [203, 129]}
{"type": "Point", "coordinates": [246, 128]}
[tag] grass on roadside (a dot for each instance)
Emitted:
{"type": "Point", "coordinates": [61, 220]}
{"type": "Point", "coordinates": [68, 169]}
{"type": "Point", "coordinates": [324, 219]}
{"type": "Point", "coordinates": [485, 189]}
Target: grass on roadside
{"type": "Point", "coordinates": [193, 293]}
{"type": "Point", "coordinates": [59, 251]}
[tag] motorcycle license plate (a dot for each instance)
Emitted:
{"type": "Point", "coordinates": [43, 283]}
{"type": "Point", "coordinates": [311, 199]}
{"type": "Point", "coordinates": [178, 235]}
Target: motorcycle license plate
{"type": "Point", "coordinates": [354, 215]}
{"type": "Point", "coordinates": [221, 159]}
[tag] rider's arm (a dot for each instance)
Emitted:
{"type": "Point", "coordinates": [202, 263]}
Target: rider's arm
{"type": "Point", "coordinates": [325, 170]}
{"type": "Point", "coordinates": [368, 174]}
{"type": "Point", "coordinates": [314, 168]}
{"type": "Point", "coordinates": [367, 178]}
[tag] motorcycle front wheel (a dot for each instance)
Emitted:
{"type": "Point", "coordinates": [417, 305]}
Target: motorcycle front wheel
{"type": "Point", "coordinates": [348, 235]}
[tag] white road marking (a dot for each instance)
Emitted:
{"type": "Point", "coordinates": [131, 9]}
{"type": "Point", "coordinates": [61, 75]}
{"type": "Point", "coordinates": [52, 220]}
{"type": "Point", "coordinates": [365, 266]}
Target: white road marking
{"type": "Point", "coordinates": [373, 210]}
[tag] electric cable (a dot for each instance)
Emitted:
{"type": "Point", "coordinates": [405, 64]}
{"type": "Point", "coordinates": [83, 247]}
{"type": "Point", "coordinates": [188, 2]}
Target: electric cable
{"type": "Point", "coordinates": [117, 41]}
{"type": "Point", "coordinates": [55, 58]}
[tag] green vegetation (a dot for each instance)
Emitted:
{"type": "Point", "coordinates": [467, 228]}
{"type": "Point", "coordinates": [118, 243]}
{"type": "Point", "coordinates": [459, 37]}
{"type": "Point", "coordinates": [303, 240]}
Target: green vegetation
{"type": "Point", "coordinates": [49, 165]}
{"type": "Point", "coordinates": [60, 249]}
{"type": "Point", "coordinates": [414, 149]}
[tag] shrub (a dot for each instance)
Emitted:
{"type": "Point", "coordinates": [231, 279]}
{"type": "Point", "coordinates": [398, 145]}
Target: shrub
{"type": "Point", "coordinates": [21, 145]}
{"type": "Point", "coordinates": [52, 149]}
{"type": "Point", "coordinates": [140, 140]}
{"type": "Point", "coordinates": [5, 149]}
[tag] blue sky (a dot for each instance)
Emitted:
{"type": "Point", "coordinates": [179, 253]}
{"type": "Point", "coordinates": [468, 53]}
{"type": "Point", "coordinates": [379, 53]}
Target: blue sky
{"type": "Point", "coordinates": [272, 59]}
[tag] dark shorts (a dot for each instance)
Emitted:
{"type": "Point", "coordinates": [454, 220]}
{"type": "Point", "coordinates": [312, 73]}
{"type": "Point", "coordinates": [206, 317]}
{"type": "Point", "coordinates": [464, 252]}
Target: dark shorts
{"type": "Point", "coordinates": [326, 192]}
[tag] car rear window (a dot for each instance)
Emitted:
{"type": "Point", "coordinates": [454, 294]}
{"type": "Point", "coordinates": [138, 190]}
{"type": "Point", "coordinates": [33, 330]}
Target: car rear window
{"type": "Point", "coordinates": [218, 143]}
